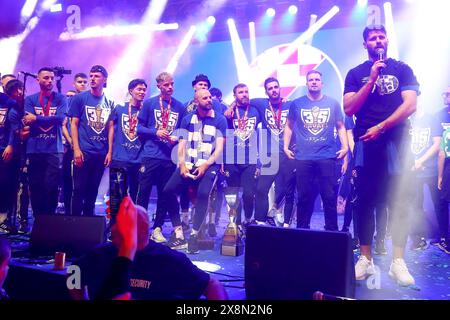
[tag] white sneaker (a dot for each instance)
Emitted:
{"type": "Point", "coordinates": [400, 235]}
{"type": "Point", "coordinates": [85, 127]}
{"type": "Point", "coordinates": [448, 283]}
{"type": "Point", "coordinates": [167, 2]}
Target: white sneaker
{"type": "Point", "coordinates": [363, 268]}
{"type": "Point", "coordinates": [260, 223]}
{"type": "Point", "coordinates": [157, 235]}
{"type": "Point", "coordinates": [399, 272]}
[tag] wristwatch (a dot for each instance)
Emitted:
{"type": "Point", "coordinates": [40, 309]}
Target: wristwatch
{"type": "Point", "coordinates": [380, 128]}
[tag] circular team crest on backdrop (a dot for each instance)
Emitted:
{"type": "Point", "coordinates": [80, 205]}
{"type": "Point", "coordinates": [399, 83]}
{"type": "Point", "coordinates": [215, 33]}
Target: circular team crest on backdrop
{"type": "Point", "coordinates": [292, 72]}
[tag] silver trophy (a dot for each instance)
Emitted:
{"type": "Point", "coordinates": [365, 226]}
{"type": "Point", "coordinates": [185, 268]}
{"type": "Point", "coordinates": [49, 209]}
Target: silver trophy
{"type": "Point", "coordinates": [232, 244]}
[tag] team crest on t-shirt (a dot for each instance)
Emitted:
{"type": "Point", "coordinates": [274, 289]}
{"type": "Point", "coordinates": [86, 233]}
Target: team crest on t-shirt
{"type": "Point", "coordinates": [446, 137]}
{"type": "Point", "coordinates": [171, 123]}
{"type": "Point", "coordinates": [3, 112]}
{"type": "Point", "coordinates": [131, 135]}
{"type": "Point", "coordinates": [420, 138]}
{"type": "Point", "coordinates": [272, 125]}
{"type": "Point", "coordinates": [97, 117]}
{"type": "Point", "coordinates": [387, 84]}
{"type": "Point", "coordinates": [40, 112]}
{"type": "Point", "coordinates": [247, 131]}
{"type": "Point", "coordinates": [315, 119]}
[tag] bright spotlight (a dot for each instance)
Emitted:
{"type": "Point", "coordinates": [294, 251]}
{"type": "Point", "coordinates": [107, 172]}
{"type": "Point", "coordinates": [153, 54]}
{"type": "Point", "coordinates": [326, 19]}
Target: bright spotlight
{"type": "Point", "coordinates": [270, 12]}
{"type": "Point", "coordinates": [28, 8]}
{"type": "Point", "coordinates": [240, 57]}
{"type": "Point", "coordinates": [211, 20]}
{"type": "Point", "coordinates": [57, 7]}
{"type": "Point", "coordinates": [47, 4]}
{"type": "Point", "coordinates": [293, 9]}
{"type": "Point", "coordinates": [230, 20]}
{"type": "Point", "coordinates": [362, 3]}
{"type": "Point", "coordinates": [184, 44]}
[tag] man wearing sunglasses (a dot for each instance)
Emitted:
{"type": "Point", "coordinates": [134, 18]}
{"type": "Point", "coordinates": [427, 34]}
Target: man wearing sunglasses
{"type": "Point", "coordinates": [382, 93]}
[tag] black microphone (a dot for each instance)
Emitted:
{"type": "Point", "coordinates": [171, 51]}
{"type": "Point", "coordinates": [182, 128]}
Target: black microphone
{"type": "Point", "coordinates": [28, 74]}
{"type": "Point", "coordinates": [380, 53]}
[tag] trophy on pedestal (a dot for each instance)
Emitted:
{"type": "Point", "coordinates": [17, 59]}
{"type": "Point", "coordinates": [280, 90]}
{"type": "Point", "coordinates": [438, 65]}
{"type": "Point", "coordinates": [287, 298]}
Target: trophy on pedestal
{"type": "Point", "coordinates": [232, 244]}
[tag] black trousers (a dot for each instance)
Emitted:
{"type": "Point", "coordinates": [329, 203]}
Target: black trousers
{"type": "Point", "coordinates": [23, 187]}
{"type": "Point", "coordinates": [132, 175]}
{"type": "Point", "coordinates": [44, 172]}
{"type": "Point", "coordinates": [283, 188]}
{"type": "Point", "coordinates": [203, 186]}
{"type": "Point", "coordinates": [157, 172]}
{"type": "Point", "coordinates": [8, 184]}
{"type": "Point", "coordinates": [322, 171]}
{"type": "Point", "coordinates": [86, 180]}
{"type": "Point", "coordinates": [67, 185]}
{"type": "Point", "coordinates": [444, 194]}
{"type": "Point", "coordinates": [243, 175]}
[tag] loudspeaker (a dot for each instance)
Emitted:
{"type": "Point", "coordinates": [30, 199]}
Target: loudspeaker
{"type": "Point", "coordinates": [74, 235]}
{"type": "Point", "coordinates": [292, 264]}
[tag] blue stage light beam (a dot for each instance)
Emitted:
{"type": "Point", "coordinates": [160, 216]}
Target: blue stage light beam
{"type": "Point", "coordinates": [184, 44]}
{"type": "Point", "coordinates": [240, 57]}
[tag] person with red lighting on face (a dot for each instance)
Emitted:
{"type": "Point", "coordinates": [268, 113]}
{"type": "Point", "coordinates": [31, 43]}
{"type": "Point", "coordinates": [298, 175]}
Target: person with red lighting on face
{"type": "Point", "coordinates": [44, 113]}
{"type": "Point", "coordinates": [382, 94]}
{"type": "Point", "coordinates": [92, 135]}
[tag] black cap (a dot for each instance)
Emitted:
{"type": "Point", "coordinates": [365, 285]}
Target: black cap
{"type": "Point", "coordinates": [201, 77]}
{"type": "Point", "coordinates": [101, 69]}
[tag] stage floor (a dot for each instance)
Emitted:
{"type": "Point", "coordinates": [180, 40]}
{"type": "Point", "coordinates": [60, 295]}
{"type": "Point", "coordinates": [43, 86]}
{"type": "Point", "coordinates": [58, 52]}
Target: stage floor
{"type": "Point", "coordinates": [430, 268]}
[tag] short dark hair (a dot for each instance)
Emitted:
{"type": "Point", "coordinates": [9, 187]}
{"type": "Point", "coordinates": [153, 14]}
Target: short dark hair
{"type": "Point", "coordinates": [5, 249]}
{"type": "Point", "coordinates": [101, 69]}
{"type": "Point", "coordinates": [368, 29]}
{"type": "Point", "coordinates": [216, 93]}
{"type": "Point", "coordinates": [201, 77]}
{"type": "Point", "coordinates": [135, 82]}
{"type": "Point", "coordinates": [239, 85]}
{"type": "Point", "coordinates": [80, 75]}
{"type": "Point", "coordinates": [13, 85]}
{"type": "Point", "coordinates": [8, 75]}
{"type": "Point", "coordinates": [48, 69]}
{"type": "Point", "coordinates": [269, 80]}
{"type": "Point", "coordinates": [312, 72]}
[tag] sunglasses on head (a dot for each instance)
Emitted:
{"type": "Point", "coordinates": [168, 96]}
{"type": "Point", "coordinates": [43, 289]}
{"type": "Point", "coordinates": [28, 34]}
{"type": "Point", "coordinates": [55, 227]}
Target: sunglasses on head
{"type": "Point", "coordinates": [375, 27]}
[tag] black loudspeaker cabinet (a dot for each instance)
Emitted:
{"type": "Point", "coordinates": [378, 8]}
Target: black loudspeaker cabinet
{"type": "Point", "coordinates": [74, 235]}
{"type": "Point", "coordinates": [292, 264]}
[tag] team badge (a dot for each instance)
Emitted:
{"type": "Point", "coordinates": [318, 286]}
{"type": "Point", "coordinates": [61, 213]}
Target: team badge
{"type": "Point", "coordinates": [387, 84]}
{"type": "Point", "coordinates": [3, 112]}
{"type": "Point", "coordinates": [273, 126]}
{"type": "Point", "coordinates": [171, 122]}
{"type": "Point", "coordinates": [130, 134]}
{"type": "Point", "coordinates": [39, 111]}
{"type": "Point", "coordinates": [247, 130]}
{"type": "Point", "coordinates": [420, 138]}
{"type": "Point", "coordinates": [97, 117]}
{"type": "Point", "coordinates": [316, 119]}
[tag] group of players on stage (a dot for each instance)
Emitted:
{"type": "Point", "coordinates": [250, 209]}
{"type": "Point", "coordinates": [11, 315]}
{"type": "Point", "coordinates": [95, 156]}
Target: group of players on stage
{"type": "Point", "coordinates": [50, 141]}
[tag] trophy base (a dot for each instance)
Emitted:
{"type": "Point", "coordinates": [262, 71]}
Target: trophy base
{"type": "Point", "coordinates": [232, 250]}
